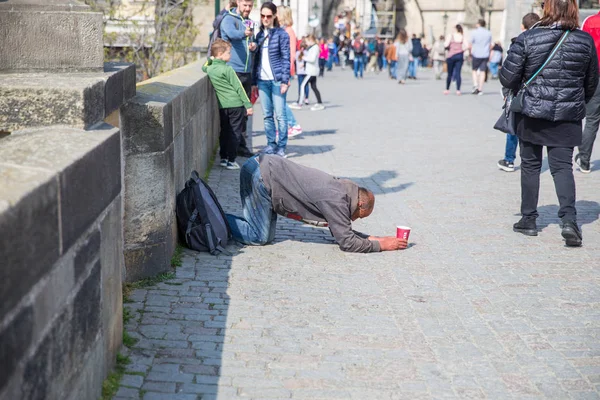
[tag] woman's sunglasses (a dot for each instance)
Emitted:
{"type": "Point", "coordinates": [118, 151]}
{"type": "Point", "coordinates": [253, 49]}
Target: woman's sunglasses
{"type": "Point", "coordinates": [266, 16]}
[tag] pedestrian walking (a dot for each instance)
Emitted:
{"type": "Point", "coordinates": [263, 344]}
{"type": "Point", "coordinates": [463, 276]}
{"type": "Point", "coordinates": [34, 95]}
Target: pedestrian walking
{"type": "Point", "coordinates": [481, 44]}
{"type": "Point", "coordinates": [438, 55]}
{"type": "Point", "coordinates": [552, 94]}
{"type": "Point", "coordinates": [496, 59]}
{"type": "Point", "coordinates": [301, 70]}
{"type": "Point", "coordinates": [416, 53]}
{"type": "Point", "coordinates": [358, 48]}
{"type": "Point", "coordinates": [391, 59]}
{"type": "Point", "coordinates": [372, 56]}
{"type": "Point", "coordinates": [311, 59]}
{"type": "Point", "coordinates": [380, 54]}
{"type": "Point", "coordinates": [591, 25]}
{"type": "Point", "coordinates": [510, 149]}
{"type": "Point", "coordinates": [403, 55]}
{"type": "Point", "coordinates": [332, 50]}
{"type": "Point", "coordinates": [323, 54]}
{"type": "Point", "coordinates": [236, 28]}
{"type": "Point", "coordinates": [271, 186]}
{"type": "Point", "coordinates": [455, 46]}
{"type": "Point", "coordinates": [234, 103]}
{"type": "Point", "coordinates": [284, 15]}
{"type": "Point", "coordinates": [272, 76]}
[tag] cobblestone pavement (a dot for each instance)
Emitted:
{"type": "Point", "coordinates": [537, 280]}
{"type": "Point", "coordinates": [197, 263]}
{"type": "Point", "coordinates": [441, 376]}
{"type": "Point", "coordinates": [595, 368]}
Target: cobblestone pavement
{"type": "Point", "coordinates": [471, 310]}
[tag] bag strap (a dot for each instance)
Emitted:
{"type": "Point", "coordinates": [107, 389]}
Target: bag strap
{"type": "Point", "coordinates": [552, 53]}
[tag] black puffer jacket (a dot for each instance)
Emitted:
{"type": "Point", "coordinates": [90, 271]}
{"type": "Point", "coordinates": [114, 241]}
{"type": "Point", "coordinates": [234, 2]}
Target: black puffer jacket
{"type": "Point", "coordinates": [560, 91]}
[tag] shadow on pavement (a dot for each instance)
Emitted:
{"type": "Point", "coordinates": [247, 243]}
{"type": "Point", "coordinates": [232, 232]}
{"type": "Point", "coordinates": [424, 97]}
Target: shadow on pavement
{"type": "Point", "coordinates": [376, 182]}
{"type": "Point", "coordinates": [288, 229]}
{"type": "Point", "coordinates": [595, 165]}
{"type": "Point", "coordinates": [587, 213]}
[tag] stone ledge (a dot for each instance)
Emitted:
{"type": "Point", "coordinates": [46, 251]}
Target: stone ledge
{"type": "Point", "coordinates": [80, 100]}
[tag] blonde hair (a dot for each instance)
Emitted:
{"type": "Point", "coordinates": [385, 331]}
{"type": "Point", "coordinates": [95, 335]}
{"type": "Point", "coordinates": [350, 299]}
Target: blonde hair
{"type": "Point", "coordinates": [284, 14]}
{"type": "Point", "coordinates": [219, 47]}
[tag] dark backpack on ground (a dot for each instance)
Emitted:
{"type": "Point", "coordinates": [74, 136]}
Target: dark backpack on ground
{"type": "Point", "coordinates": [200, 219]}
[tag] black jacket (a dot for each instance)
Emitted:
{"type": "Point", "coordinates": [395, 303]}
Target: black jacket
{"type": "Point", "coordinates": [560, 91]}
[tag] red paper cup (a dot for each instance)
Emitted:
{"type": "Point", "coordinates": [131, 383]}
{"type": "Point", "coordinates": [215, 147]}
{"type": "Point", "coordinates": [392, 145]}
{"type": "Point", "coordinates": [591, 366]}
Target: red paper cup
{"type": "Point", "coordinates": [402, 232]}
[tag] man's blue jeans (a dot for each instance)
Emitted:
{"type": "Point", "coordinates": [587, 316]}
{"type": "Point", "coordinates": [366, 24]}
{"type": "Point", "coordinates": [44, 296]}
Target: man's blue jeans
{"type": "Point", "coordinates": [412, 68]}
{"type": "Point", "coordinates": [359, 65]}
{"type": "Point", "coordinates": [511, 148]}
{"type": "Point", "coordinates": [257, 225]}
{"type": "Point", "coordinates": [273, 103]}
{"type": "Point", "coordinates": [291, 120]}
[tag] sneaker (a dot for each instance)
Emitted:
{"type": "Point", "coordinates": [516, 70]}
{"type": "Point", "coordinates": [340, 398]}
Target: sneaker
{"type": "Point", "coordinates": [232, 165]}
{"type": "Point", "coordinates": [526, 226]}
{"type": "Point", "coordinates": [223, 162]}
{"type": "Point", "coordinates": [306, 102]}
{"type": "Point", "coordinates": [317, 107]}
{"type": "Point", "coordinates": [506, 166]}
{"type": "Point", "coordinates": [281, 153]}
{"type": "Point", "coordinates": [571, 233]}
{"type": "Point", "coordinates": [296, 106]}
{"type": "Point", "coordinates": [584, 166]}
{"type": "Point", "coordinates": [475, 91]}
{"type": "Point", "coordinates": [292, 131]}
{"type": "Point", "coordinates": [479, 93]}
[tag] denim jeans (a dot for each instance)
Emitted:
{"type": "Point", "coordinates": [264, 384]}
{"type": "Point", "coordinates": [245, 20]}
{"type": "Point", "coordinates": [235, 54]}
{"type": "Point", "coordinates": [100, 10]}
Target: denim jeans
{"type": "Point", "coordinates": [291, 120]}
{"type": "Point", "coordinates": [273, 103]}
{"type": "Point", "coordinates": [494, 69]}
{"type": "Point", "coordinates": [511, 148]}
{"type": "Point", "coordinates": [359, 65]}
{"type": "Point", "coordinates": [412, 68]}
{"type": "Point", "coordinates": [394, 69]}
{"type": "Point", "coordinates": [257, 226]}
{"type": "Point", "coordinates": [454, 67]}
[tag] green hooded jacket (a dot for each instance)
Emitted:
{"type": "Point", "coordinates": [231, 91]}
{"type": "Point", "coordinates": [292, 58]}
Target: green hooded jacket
{"type": "Point", "coordinates": [228, 87]}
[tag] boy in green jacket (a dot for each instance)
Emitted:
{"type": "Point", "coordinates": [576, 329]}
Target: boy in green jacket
{"type": "Point", "coordinates": [234, 104]}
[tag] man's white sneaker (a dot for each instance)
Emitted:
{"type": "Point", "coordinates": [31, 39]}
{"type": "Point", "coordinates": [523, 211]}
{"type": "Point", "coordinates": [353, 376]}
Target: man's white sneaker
{"type": "Point", "coordinates": [317, 107]}
{"type": "Point", "coordinates": [295, 106]}
{"type": "Point", "coordinates": [232, 165]}
{"type": "Point", "coordinates": [223, 163]}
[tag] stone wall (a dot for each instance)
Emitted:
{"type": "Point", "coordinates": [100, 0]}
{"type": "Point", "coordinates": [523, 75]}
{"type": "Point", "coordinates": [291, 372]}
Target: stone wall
{"type": "Point", "coordinates": [169, 128]}
{"type": "Point", "coordinates": [60, 274]}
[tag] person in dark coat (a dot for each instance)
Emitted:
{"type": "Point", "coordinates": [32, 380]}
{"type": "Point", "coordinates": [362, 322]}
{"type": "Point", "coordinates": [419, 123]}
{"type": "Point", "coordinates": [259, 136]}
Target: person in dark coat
{"type": "Point", "coordinates": [553, 108]}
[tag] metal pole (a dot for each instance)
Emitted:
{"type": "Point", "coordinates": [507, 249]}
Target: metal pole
{"type": "Point", "coordinates": [217, 7]}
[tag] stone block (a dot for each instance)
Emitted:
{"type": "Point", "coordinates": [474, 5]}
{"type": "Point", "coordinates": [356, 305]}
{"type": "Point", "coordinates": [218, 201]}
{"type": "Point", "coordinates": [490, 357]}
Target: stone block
{"type": "Point", "coordinates": [30, 232]}
{"type": "Point", "coordinates": [88, 186]}
{"type": "Point", "coordinates": [51, 39]}
{"type": "Point", "coordinates": [146, 261]}
{"type": "Point", "coordinates": [111, 254]}
{"type": "Point", "coordinates": [87, 311]}
{"type": "Point", "coordinates": [14, 343]}
{"type": "Point", "coordinates": [87, 253]}
{"type": "Point", "coordinates": [80, 100]}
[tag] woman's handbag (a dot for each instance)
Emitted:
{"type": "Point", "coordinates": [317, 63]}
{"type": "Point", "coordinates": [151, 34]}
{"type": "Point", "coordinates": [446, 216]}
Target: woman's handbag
{"type": "Point", "coordinates": [516, 104]}
{"type": "Point", "coordinates": [506, 122]}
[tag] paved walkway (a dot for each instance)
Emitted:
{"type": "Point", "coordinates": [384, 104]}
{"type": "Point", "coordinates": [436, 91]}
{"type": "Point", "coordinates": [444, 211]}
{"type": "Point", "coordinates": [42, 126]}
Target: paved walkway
{"type": "Point", "coordinates": [471, 310]}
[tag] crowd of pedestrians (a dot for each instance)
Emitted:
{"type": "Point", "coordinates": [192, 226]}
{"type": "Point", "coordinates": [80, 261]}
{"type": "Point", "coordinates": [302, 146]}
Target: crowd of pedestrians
{"type": "Point", "coordinates": [551, 105]}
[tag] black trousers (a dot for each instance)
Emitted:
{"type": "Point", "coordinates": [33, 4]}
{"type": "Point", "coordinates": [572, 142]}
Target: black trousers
{"type": "Point", "coordinates": [232, 122]}
{"type": "Point", "coordinates": [312, 81]}
{"type": "Point", "coordinates": [561, 168]}
{"type": "Point", "coordinates": [246, 79]}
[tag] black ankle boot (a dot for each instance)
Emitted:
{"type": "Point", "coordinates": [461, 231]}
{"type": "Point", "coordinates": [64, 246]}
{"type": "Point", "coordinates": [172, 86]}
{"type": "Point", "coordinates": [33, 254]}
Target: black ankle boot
{"type": "Point", "coordinates": [526, 226]}
{"type": "Point", "coordinates": [571, 233]}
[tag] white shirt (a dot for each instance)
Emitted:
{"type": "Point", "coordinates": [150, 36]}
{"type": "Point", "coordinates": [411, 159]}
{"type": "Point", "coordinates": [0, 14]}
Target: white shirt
{"type": "Point", "coordinates": [266, 73]}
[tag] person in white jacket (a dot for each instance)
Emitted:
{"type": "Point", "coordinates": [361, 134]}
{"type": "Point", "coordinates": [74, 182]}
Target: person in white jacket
{"type": "Point", "coordinates": [403, 54]}
{"type": "Point", "coordinates": [311, 60]}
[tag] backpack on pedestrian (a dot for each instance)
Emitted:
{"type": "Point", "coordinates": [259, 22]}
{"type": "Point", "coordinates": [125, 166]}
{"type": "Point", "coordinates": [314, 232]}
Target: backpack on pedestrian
{"type": "Point", "coordinates": [358, 46]}
{"type": "Point", "coordinates": [216, 33]}
{"type": "Point", "coordinates": [201, 221]}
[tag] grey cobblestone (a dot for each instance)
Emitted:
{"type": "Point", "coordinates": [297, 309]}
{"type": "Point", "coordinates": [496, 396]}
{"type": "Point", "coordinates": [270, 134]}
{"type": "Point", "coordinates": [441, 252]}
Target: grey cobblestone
{"type": "Point", "coordinates": [472, 310]}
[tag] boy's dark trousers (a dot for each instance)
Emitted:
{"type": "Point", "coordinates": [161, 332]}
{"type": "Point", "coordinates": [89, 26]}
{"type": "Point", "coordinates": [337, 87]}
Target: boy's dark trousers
{"type": "Point", "coordinates": [246, 80]}
{"type": "Point", "coordinates": [232, 124]}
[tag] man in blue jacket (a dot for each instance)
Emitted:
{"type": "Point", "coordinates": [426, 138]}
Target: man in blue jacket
{"type": "Point", "coordinates": [236, 29]}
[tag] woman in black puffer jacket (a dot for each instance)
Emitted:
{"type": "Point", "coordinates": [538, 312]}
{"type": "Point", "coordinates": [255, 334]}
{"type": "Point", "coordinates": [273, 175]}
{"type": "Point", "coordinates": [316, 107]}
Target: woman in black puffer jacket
{"type": "Point", "coordinates": [553, 108]}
